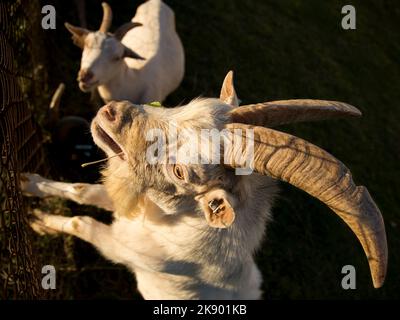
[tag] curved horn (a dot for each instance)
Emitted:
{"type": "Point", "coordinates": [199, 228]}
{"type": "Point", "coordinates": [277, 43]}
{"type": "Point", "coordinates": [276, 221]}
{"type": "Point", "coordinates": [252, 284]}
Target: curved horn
{"type": "Point", "coordinates": [56, 99]}
{"type": "Point", "coordinates": [122, 30]}
{"type": "Point", "coordinates": [54, 105]}
{"type": "Point", "coordinates": [318, 173]}
{"type": "Point", "coordinates": [276, 113]}
{"type": "Point", "coordinates": [78, 34]}
{"type": "Point", "coordinates": [107, 18]}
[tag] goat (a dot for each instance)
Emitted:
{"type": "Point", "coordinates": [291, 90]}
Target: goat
{"type": "Point", "coordinates": [189, 230]}
{"type": "Point", "coordinates": [143, 61]}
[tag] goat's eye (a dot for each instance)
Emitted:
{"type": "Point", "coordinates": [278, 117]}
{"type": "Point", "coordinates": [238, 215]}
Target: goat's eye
{"type": "Point", "coordinates": [178, 172]}
{"type": "Point", "coordinates": [117, 58]}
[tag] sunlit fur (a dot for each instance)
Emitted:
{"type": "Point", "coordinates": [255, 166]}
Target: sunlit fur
{"type": "Point", "coordinates": [139, 81]}
{"type": "Point", "coordinates": [167, 228]}
{"type": "Point", "coordinates": [160, 230]}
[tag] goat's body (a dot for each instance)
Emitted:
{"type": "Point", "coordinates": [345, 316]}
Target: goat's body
{"type": "Point", "coordinates": [169, 264]}
{"type": "Point", "coordinates": [152, 79]}
{"type": "Point", "coordinates": [173, 257]}
{"type": "Point", "coordinates": [188, 230]}
{"type": "Point", "coordinates": [181, 257]}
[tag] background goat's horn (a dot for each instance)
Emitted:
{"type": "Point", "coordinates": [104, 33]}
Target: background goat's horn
{"type": "Point", "coordinates": [122, 30]}
{"type": "Point", "coordinates": [54, 105]}
{"type": "Point", "coordinates": [274, 113]}
{"type": "Point", "coordinates": [315, 171]}
{"type": "Point", "coordinates": [107, 18]}
{"type": "Point", "coordinates": [56, 99]}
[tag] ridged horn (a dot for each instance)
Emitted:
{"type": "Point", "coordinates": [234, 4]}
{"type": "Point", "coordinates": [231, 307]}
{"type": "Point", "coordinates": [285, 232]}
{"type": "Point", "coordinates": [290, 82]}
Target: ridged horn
{"type": "Point", "coordinates": [309, 168]}
{"type": "Point", "coordinates": [275, 113]}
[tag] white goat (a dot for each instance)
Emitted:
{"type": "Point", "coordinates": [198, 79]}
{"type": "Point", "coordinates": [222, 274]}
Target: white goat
{"type": "Point", "coordinates": [143, 61]}
{"type": "Point", "coordinates": [189, 231]}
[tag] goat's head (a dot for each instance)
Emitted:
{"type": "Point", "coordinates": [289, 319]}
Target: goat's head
{"type": "Point", "coordinates": [179, 186]}
{"type": "Point", "coordinates": [102, 51]}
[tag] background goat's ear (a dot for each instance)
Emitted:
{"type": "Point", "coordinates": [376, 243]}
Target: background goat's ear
{"type": "Point", "coordinates": [78, 34]}
{"type": "Point", "coordinates": [228, 93]}
{"type": "Point", "coordinates": [218, 209]}
{"type": "Point", "coordinates": [128, 53]}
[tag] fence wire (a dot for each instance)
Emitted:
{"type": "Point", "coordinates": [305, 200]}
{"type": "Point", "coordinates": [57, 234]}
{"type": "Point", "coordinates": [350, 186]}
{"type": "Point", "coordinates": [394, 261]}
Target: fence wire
{"type": "Point", "coordinates": [21, 149]}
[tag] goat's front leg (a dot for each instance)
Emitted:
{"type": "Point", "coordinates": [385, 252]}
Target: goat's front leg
{"type": "Point", "coordinates": [84, 227]}
{"type": "Point", "coordinates": [90, 230]}
{"type": "Point", "coordinates": [83, 193]}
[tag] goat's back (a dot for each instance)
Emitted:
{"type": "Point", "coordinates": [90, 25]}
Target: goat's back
{"type": "Point", "coordinates": [157, 41]}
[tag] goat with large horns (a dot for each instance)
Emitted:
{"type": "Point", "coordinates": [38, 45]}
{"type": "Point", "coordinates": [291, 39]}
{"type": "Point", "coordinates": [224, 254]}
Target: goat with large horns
{"type": "Point", "coordinates": [142, 61]}
{"type": "Point", "coordinates": [189, 229]}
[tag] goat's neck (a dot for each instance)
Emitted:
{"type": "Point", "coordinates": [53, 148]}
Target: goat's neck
{"type": "Point", "coordinates": [123, 86]}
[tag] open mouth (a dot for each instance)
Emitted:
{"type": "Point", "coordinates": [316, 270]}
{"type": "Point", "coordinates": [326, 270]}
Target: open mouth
{"type": "Point", "coordinates": [109, 141]}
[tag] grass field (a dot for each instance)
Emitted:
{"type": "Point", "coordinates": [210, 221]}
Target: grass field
{"type": "Point", "coordinates": [279, 50]}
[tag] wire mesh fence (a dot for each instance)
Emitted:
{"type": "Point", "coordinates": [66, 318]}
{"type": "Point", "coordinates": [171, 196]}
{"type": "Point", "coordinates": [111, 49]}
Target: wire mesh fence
{"type": "Point", "coordinates": [26, 86]}
{"type": "Point", "coordinates": [21, 149]}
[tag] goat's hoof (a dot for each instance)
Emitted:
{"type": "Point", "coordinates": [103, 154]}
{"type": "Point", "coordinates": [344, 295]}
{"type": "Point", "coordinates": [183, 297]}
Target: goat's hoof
{"type": "Point", "coordinates": [25, 181]}
{"type": "Point", "coordinates": [37, 221]}
{"type": "Point", "coordinates": [29, 184]}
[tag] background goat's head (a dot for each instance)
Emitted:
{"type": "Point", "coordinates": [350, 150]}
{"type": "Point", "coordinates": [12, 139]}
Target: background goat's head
{"type": "Point", "coordinates": [102, 51]}
{"type": "Point", "coordinates": [178, 188]}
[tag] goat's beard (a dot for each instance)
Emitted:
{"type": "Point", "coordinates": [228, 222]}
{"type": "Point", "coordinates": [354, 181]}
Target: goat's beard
{"type": "Point", "coordinates": [123, 188]}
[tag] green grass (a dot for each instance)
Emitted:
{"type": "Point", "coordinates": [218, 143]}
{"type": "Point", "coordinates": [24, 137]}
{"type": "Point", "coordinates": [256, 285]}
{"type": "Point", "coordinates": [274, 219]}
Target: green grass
{"type": "Point", "coordinates": [292, 49]}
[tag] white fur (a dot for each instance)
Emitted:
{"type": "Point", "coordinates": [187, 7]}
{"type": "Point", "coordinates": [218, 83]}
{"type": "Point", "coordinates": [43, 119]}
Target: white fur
{"type": "Point", "coordinates": [139, 81]}
{"type": "Point", "coordinates": [173, 251]}
{"type": "Point", "coordinates": [180, 257]}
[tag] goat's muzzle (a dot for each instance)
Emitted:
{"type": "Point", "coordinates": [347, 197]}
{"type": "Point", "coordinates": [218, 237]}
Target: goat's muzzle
{"type": "Point", "coordinates": [85, 78]}
{"type": "Point", "coordinates": [85, 75]}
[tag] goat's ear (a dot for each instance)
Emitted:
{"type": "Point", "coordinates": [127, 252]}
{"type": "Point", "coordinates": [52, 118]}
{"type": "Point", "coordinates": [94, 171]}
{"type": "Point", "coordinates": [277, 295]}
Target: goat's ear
{"type": "Point", "coordinates": [218, 207]}
{"type": "Point", "coordinates": [78, 34]}
{"type": "Point", "coordinates": [228, 92]}
{"type": "Point", "coordinates": [128, 53]}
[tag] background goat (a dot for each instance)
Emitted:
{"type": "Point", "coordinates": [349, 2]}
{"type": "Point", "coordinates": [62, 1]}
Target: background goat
{"type": "Point", "coordinates": [190, 230]}
{"type": "Point", "coordinates": [142, 61]}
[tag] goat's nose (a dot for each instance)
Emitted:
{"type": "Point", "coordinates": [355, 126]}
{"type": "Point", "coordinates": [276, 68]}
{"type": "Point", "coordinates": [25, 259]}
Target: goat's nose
{"type": "Point", "coordinates": [110, 112]}
{"type": "Point", "coordinates": [85, 75]}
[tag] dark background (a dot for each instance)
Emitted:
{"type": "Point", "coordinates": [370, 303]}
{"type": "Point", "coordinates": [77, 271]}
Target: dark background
{"type": "Point", "coordinates": [283, 49]}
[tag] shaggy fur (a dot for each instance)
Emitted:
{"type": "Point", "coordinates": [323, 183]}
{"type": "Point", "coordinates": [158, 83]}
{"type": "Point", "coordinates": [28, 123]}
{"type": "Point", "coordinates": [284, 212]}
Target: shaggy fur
{"type": "Point", "coordinates": [177, 255]}
{"type": "Point", "coordinates": [160, 229]}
